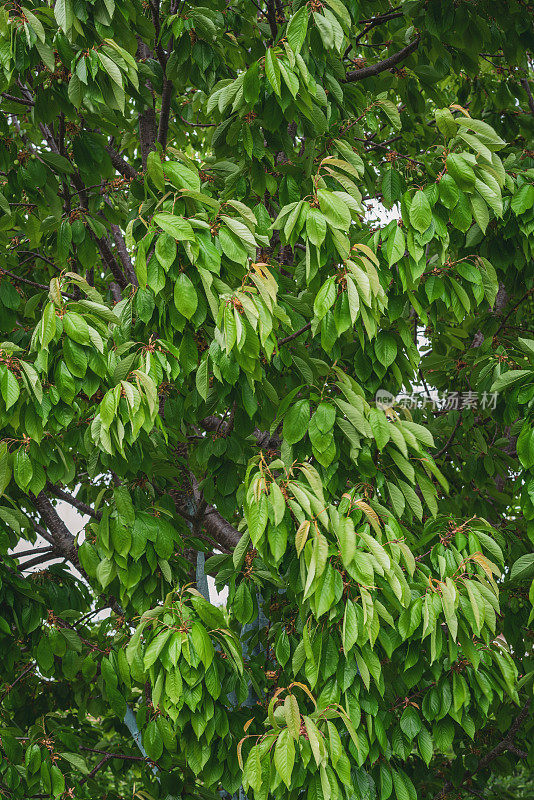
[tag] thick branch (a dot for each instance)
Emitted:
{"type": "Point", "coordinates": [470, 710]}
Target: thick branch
{"type": "Point", "coordinates": [207, 517]}
{"type": "Point", "coordinates": [64, 543]}
{"type": "Point", "coordinates": [382, 66]}
{"type": "Point", "coordinates": [164, 113]}
{"type": "Point", "coordinates": [120, 164]}
{"type": "Point", "coordinates": [43, 559]}
{"type": "Point", "coordinates": [124, 256]}
{"type": "Point", "coordinates": [110, 261]}
{"type": "Point", "coordinates": [271, 18]}
{"type": "Point", "coordinates": [219, 528]}
{"type": "Point", "coordinates": [21, 100]}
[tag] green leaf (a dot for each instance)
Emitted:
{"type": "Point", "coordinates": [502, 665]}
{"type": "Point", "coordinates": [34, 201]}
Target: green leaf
{"type": "Point", "coordinates": [296, 421]}
{"type": "Point", "coordinates": [22, 468]}
{"type": "Point", "coordinates": [396, 245]}
{"type": "Point", "coordinates": [386, 348]}
{"type": "Point", "coordinates": [523, 199]}
{"type": "Point", "coordinates": [9, 387]}
{"type": "Point", "coordinates": [272, 70]}
{"type": "Point", "coordinates": [380, 427]}
{"type": "Point", "coordinates": [297, 29]}
{"type": "Point", "coordinates": [420, 212]}
{"type": "Point", "coordinates": [185, 296]}
{"type": "Point", "coordinates": [410, 722]}
{"type": "Point", "coordinates": [448, 191]}
{"type": "Point", "coordinates": [325, 299]}
{"type": "Point", "coordinates": [523, 568]}
{"type": "Point", "coordinates": [284, 756]}
{"type": "Point", "coordinates": [460, 171]}
{"type": "Point", "coordinates": [177, 227]}
{"type": "Point", "coordinates": [334, 210]}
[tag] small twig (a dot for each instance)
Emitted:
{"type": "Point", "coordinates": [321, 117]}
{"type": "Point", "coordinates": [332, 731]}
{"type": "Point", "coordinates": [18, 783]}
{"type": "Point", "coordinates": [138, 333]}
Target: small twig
{"type": "Point", "coordinates": [449, 440]}
{"type": "Point", "coordinates": [514, 308]}
{"type": "Point", "coordinates": [28, 669]}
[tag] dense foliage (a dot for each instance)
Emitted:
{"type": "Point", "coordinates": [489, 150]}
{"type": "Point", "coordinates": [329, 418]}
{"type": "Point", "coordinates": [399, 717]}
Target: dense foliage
{"type": "Point", "coordinates": [232, 235]}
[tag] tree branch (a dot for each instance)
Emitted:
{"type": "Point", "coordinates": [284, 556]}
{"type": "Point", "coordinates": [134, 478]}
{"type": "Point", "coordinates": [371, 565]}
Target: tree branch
{"type": "Point", "coordinates": [382, 66]}
{"type": "Point", "coordinates": [110, 261]}
{"type": "Point", "coordinates": [4, 271]}
{"type": "Point", "coordinates": [294, 335]}
{"type": "Point", "coordinates": [23, 101]}
{"type": "Point", "coordinates": [506, 744]}
{"type": "Point", "coordinates": [23, 674]}
{"type": "Point", "coordinates": [526, 86]}
{"type": "Point", "coordinates": [73, 501]}
{"type": "Point", "coordinates": [449, 440]}
{"type": "Point", "coordinates": [166, 98]}
{"type": "Point", "coordinates": [64, 543]}
{"type": "Point", "coordinates": [124, 256]}
{"type": "Point", "coordinates": [122, 166]}
{"type": "Point", "coordinates": [271, 18]}
{"type": "Point", "coordinates": [34, 562]}
{"type": "Point", "coordinates": [33, 552]}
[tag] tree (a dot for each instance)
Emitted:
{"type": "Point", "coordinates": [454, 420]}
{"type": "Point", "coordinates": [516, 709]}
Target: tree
{"type": "Point", "coordinates": [233, 235]}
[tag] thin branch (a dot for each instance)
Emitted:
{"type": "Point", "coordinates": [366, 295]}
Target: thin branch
{"type": "Point", "coordinates": [382, 66]}
{"type": "Point", "coordinates": [73, 501]}
{"type": "Point", "coordinates": [514, 308]}
{"type": "Point", "coordinates": [23, 101]}
{"type": "Point", "coordinates": [449, 440]}
{"type": "Point", "coordinates": [23, 674]}
{"type": "Point", "coordinates": [505, 744]}
{"type": "Point", "coordinates": [33, 552]}
{"type": "Point", "coordinates": [4, 271]}
{"type": "Point", "coordinates": [294, 335]}
{"type": "Point", "coordinates": [198, 124]}
{"type": "Point", "coordinates": [35, 562]}
{"type": "Point", "coordinates": [37, 255]}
